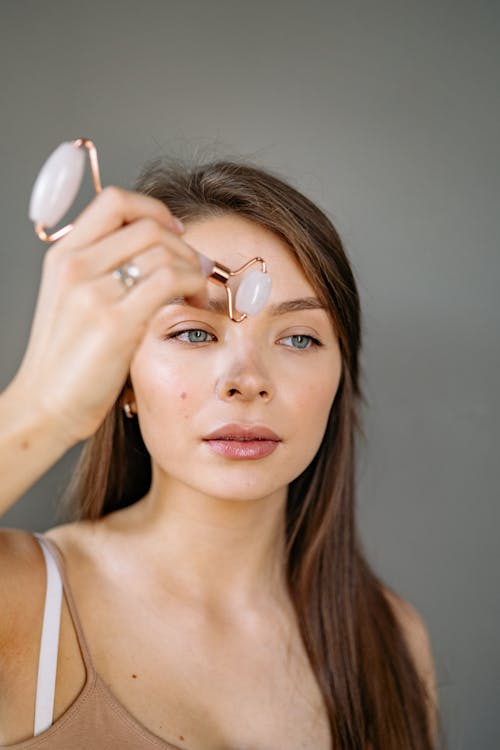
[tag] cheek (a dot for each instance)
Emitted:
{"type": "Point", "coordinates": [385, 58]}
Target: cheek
{"type": "Point", "coordinates": [312, 404]}
{"type": "Point", "coordinates": [166, 401]}
{"type": "Point", "coordinates": [316, 396]}
{"type": "Point", "coordinates": [164, 392]}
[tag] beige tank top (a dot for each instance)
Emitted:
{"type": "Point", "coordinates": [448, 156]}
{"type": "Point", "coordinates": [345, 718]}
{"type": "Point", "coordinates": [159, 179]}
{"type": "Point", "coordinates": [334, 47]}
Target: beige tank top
{"type": "Point", "coordinates": [96, 720]}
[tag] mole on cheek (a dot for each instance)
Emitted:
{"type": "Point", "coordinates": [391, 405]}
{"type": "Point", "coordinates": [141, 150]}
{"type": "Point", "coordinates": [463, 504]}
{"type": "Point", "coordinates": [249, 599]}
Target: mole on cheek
{"type": "Point", "coordinates": [183, 395]}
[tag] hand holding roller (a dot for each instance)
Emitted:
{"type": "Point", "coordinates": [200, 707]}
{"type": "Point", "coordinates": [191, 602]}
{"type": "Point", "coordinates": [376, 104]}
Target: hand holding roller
{"type": "Point", "coordinates": [56, 188]}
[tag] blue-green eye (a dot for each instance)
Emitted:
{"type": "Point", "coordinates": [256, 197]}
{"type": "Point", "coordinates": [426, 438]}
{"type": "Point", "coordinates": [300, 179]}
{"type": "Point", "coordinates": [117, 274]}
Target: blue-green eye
{"type": "Point", "coordinates": [194, 336]}
{"type": "Point", "coordinates": [301, 341]}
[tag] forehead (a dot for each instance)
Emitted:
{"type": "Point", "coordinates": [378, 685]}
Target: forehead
{"type": "Point", "coordinates": [233, 240]}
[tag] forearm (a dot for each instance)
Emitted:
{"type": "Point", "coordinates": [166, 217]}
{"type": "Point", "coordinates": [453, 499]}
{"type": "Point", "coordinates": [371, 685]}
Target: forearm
{"type": "Point", "coordinates": [30, 443]}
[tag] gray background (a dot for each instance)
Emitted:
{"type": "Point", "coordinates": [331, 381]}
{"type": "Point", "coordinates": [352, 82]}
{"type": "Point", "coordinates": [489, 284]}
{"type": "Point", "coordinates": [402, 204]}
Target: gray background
{"type": "Point", "coordinates": [386, 114]}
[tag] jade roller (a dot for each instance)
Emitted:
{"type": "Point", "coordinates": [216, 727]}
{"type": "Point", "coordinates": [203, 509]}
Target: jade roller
{"type": "Point", "coordinates": [56, 188]}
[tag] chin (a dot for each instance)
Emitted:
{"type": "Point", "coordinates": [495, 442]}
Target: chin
{"type": "Point", "coordinates": [241, 492]}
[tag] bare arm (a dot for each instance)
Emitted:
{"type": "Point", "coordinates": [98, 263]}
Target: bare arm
{"type": "Point", "coordinates": [30, 443]}
{"type": "Point", "coordinates": [86, 329]}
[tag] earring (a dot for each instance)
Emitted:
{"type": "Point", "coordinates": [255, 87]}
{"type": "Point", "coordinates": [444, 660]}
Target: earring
{"type": "Point", "coordinates": [128, 410]}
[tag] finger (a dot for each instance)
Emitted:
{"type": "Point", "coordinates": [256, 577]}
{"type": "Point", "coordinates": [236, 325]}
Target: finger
{"type": "Point", "coordinates": [111, 209]}
{"type": "Point", "coordinates": [156, 257]}
{"type": "Point", "coordinates": [126, 243]}
{"type": "Point", "coordinates": [199, 300]}
{"type": "Point", "coordinates": [146, 297]}
{"type": "Point", "coordinates": [111, 288]}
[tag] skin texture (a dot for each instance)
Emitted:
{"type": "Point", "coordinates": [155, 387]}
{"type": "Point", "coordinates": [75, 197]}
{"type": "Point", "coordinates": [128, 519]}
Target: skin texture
{"type": "Point", "coordinates": [213, 513]}
{"type": "Point", "coordinates": [182, 595]}
{"type": "Point", "coordinates": [85, 330]}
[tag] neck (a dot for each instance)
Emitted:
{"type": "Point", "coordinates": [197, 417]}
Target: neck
{"type": "Point", "coordinates": [225, 554]}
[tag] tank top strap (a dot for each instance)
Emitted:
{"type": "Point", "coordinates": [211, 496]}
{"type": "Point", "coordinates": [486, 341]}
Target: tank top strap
{"type": "Point", "coordinates": [61, 565]}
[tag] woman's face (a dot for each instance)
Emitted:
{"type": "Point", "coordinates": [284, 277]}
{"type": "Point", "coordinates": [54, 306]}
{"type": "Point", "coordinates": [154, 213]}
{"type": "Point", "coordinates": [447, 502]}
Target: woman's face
{"type": "Point", "coordinates": [197, 371]}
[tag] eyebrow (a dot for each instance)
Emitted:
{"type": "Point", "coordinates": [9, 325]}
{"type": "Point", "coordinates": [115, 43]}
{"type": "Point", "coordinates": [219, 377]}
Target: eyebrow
{"type": "Point", "coordinates": [280, 308]}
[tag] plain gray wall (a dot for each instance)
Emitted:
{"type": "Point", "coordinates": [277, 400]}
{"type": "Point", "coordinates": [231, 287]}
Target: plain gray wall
{"type": "Point", "coordinates": [386, 114]}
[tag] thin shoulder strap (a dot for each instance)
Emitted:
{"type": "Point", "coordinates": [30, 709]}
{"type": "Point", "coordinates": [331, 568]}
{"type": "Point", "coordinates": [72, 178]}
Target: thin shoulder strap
{"type": "Point", "coordinates": [47, 663]}
{"type": "Point", "coordinates": [57, 581]}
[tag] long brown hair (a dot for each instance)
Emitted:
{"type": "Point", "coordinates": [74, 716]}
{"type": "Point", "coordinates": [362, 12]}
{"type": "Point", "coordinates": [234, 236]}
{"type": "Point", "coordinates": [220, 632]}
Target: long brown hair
{"type": "Point", "coordinates": [371, 687]}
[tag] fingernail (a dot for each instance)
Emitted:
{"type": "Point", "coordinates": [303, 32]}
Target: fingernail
{"type": "Point", "coordinates": [178, 223]}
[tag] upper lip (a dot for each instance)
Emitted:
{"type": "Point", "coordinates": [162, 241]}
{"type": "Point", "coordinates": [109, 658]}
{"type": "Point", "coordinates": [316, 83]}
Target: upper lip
{"type": "Point", "coordinates": [247, 431]}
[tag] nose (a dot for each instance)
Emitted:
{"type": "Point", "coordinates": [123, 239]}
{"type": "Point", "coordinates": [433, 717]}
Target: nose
{"type": "Point", "coordinates": [244, 378]}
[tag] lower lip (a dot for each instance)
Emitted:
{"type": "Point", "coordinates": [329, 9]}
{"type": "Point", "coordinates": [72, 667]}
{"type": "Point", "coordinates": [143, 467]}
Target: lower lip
{"type": "Point", "coordinates": [243, 449]}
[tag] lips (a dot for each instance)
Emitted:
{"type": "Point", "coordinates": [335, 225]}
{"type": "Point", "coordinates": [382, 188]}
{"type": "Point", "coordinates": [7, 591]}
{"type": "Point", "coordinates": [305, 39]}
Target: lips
{"type": "Point", "coordinates": [242, 432]}
{"type": "Point", "coordinates": [242, 442]}
{"type": "Point", "coordinates": [242, 450]}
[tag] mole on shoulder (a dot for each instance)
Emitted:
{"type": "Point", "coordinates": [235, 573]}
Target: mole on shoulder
{"type": "Point", "coordinates": [183, 395]}
{"type": "Point", "coordinates": [134, 675]}
{"type": "Point", "coordinates": [181, 737]}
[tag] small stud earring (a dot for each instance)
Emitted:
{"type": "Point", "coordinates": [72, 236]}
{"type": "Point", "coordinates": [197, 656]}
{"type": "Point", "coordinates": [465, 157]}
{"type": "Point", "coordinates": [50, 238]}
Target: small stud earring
{"type": "Point", "coordinates": [128, 410]}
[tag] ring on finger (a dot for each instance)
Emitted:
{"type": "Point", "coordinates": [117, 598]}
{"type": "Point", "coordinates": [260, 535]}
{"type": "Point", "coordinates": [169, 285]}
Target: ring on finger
{"type": "Point", "coordinates": [129, 274]}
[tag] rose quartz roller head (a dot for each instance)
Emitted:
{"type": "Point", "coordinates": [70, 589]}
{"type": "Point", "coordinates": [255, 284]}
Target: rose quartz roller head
{"type": "Point", "coordinates": [253, 290]}
{"type": "Point", "coordinates": [56, 188]}
{"type": "Point", "coordinates": [57, 185]}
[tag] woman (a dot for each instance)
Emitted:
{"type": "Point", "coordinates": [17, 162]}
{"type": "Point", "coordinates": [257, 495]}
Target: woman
{"type": "Point", "coordinates": [216, 595]}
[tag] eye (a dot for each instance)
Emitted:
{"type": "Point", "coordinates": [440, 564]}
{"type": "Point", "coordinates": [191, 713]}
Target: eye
{"type": "Point", "coordinates": [194, 336]}
{"type": "Point", "coordinates": [301, 341]}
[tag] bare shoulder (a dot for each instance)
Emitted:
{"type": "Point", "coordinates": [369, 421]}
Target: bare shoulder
{"type": "Point", "coordinates": [22, 591]}
{"type": "Point", "coordinates": [71, 534]}
{"type": "Point", "coordinates": [23, 580]}
{"type": "Point", "coordinates": [22, 570]}
{"type": "Point", "coordinates": [417, 637]}
{"type": "Point", "coordinates": [414, 629]}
